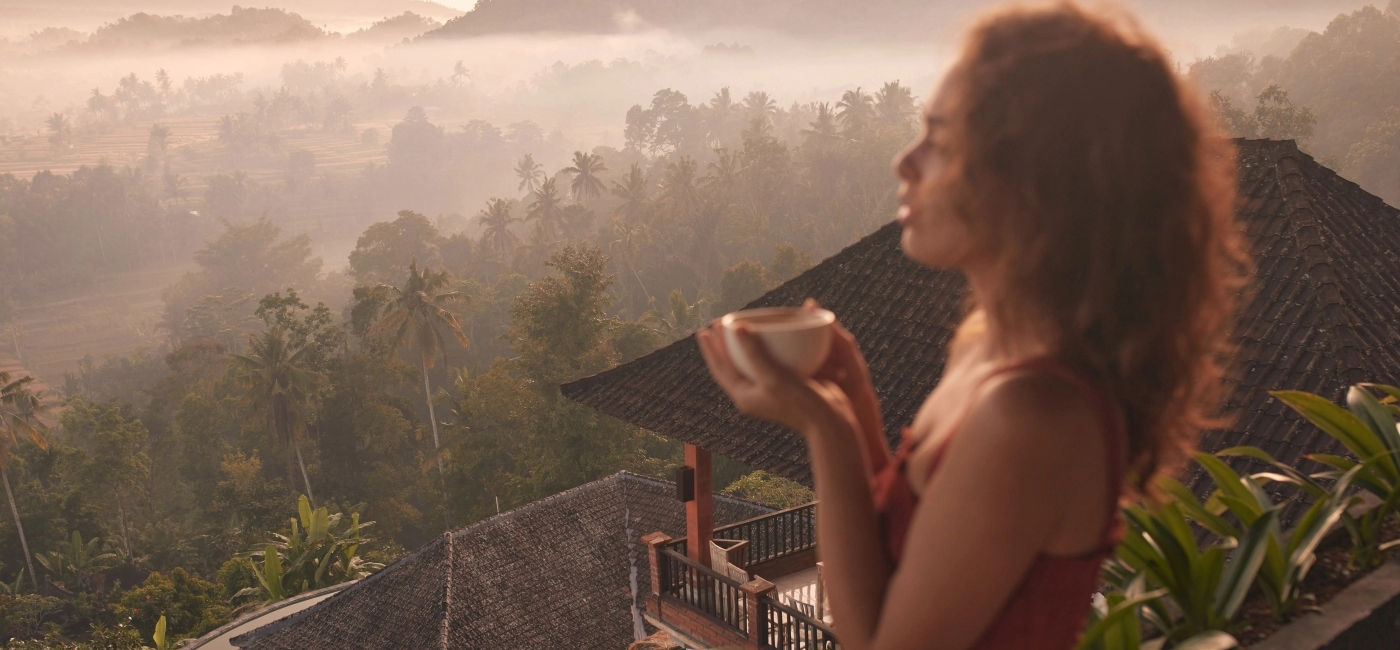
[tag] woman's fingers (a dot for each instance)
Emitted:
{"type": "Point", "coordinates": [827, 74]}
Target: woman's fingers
{"type": "Point", "coordinates": [717, 359]}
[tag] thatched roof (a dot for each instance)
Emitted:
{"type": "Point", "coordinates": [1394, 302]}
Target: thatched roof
{"type": "Point", "coordinates": [566, 571]}
{"type": "Point", "coordinates": [1325, 313]}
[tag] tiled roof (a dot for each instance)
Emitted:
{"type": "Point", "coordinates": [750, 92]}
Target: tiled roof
{"type": "Point", "coordinates": [561, 572]}
{"type": "Point", "coordinates": [1325, 313]}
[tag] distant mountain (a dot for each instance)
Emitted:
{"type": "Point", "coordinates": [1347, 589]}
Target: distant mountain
{"type": "Point", "coordinates": [883, 19]}
{"type": "Point", "coordinates": [239, 26]}
{"type": "Point", "coordinates": [809, 17]}
{"type": "Point", "coordinates": [19, 17]}
{"type": "Point", "coordinates": [406, 25]}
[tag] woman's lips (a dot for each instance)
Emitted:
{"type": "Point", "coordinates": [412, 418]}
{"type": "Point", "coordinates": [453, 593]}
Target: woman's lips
{"type": "Point", "coordinates": [902, 215]}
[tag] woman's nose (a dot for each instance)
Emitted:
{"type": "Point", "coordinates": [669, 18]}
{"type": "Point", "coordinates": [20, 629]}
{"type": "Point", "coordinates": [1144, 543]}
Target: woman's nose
{"type": "Point", "coordinates": [904, 166]}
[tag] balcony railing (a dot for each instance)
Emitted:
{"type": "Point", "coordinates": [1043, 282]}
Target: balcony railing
{"type": "Point", "coordinates": [703, 589]}
{"type": "Point", "coordinates": [730, 609]}
{"type": "Point", "coordinates": [786, 628]}
{"type": "Point", "coordinates": [775, 535]}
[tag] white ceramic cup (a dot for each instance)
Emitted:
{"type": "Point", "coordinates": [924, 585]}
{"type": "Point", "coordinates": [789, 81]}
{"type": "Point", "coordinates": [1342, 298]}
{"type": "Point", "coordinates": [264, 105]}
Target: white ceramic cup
{"type": "Point", "coordinates": [797, 338]}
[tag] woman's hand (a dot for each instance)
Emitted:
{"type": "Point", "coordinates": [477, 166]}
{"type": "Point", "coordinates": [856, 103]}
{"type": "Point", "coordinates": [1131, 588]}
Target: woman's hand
{"type": "Point", "coordinates": [845, 367]}
{"type": "Point", "coordinates": [777, 394]}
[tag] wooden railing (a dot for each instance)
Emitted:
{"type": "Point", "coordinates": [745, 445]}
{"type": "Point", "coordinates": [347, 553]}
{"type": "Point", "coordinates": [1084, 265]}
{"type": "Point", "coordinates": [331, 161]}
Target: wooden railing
{"type": "Point", "coordinates": [785, 628]}
{"type": "Point", "coordinates": [703, 589]}
{"type": "Point", "coordinates": [775, 535]}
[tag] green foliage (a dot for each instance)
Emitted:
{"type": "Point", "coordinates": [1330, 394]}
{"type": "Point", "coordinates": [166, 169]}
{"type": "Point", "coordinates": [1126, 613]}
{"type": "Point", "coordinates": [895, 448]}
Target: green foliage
{"type": "Point", "coordinates": [1207, 584]}
{"type": "Point", "coordinates": [188, 605]}
{"type": "Point", "coordinates": [24, 616]}
{"type": "Point", "coordinates": [1288, 558]}
{"type": "Point", "coordinates": [770, 490]}
{"type": "Point", "coordinates": [318, 551]}
{"type": "Point", "coordinates": [741, 284]}
{"type": "Point", "coordinates": [1367, 428]}
{"type": "Point", "coordinates": [387, 247]}
{"type": "Point", "coordinates": [74, 564]}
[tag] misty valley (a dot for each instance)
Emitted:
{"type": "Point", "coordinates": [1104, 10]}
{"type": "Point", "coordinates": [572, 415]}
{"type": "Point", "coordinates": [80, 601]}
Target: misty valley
{"type": "Point", "coordinates": [326, 265]}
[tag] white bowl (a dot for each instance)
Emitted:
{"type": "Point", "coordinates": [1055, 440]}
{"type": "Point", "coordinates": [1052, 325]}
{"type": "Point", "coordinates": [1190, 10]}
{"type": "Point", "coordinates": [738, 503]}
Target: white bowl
{"type": "Point", "coordinates": [797, 338]}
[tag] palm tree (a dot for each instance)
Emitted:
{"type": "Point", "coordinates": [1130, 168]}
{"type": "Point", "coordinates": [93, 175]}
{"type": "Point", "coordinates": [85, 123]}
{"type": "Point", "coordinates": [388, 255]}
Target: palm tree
{"type": "Point", "coordinates": [416, 314]}
{"type": "Point", "coordinates": [546, 211]}
{"type": "Point", "coordinates": [678, 191]}
{"type": "Point", "coordinates": [530, 173]}
{"type": "Point", "coordinates": [585, 169]}
{"type": "Point", "coordinates": [630, 222]}
{"type": "Point", "coordinates": [282, 385]}
{"type": "Point", "coordinates": [854, 111]}
{"type": "Point", "coordinates": [823, 128]}
{"type": "Point", "coordinates": [759, 104]}
{"type": "Point", "coordinates": [495, 219]}
{"type": "Point", "coordinates": [19, 414]}
{"type": "Point", "coordinates": [894, 105]}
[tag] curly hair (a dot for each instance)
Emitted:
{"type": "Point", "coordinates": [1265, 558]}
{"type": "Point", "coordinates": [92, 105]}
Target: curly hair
{"type": "Point", "coordinates": [1107, 196]}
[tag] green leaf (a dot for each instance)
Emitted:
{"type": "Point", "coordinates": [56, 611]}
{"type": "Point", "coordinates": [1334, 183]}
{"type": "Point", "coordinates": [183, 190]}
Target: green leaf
{"type": "Point", "coordinates": [1375, 416]}
{"type": "Point", "coordinates": [1196, 511]}
{"type": "Point", "coordinates": [159, 635]}
{"type": "Point", "coordinates": [1335, 421]}
{"type": "Point", "coordinates": [1122, 614]}
{"type": "Point", "coordinates": [1244, 565]}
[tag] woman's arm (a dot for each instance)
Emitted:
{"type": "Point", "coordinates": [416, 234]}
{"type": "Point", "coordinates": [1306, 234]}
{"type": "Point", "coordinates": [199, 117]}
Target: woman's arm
{"type": "Point", "coordinates": [980, 521]}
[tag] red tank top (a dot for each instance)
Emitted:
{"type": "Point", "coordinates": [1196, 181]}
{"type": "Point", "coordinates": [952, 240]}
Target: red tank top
{"type": "Point", "coordinates": [1051, 603]}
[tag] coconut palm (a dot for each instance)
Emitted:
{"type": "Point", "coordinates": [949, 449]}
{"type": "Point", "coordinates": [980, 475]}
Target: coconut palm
{"type": "Point", "coordinates": [585, 169]}
{"type": "Point", "coordinates": [546, 210]}
{"type": "Point", "coordinates": [416, 314]}
{"type": "Point", "coordinates": [495, 219]}
{"type": "Point", "coordinates": [854, 112]}
{"type": "Point", "coordinates": [19, 416]}
{"type": "Point", "coordinates": [678, 192]}
{"type": "Point", "coordinates": [283, 386]}
{"type": "Point", "coordinates": [759, 104]}
{"type": "Point", "coordinates": [530, 174]}
{"type": "Point", "coordinates": [894, 106]}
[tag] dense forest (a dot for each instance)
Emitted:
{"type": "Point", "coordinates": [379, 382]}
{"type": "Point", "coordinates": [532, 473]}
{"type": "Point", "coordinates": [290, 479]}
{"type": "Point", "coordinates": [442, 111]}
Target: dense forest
{"type": "Point", "coordinates": [412, 386]}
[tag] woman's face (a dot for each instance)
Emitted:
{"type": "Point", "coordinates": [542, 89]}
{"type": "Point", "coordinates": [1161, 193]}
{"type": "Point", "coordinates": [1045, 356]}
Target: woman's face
{"type": "Point", "coordinates": [933, 234]}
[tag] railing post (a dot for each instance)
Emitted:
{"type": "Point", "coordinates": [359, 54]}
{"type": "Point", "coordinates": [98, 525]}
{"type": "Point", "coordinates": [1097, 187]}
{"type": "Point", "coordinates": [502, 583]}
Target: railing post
{"type": "Point", "coordinates": [654, 542]}
{"type": "Point", "coordinates": [754, 593]}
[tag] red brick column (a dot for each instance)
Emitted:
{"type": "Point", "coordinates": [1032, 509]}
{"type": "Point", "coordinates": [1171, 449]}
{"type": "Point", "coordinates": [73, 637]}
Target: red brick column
{"type": "Point", "coordinates": [699, 511]}
{"type": "Point", "coordinates": [654, 542]}
{"type": "Point", "coordinates": [758, 623]}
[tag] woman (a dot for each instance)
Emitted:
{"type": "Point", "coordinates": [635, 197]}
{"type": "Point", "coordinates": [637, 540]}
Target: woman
{"type": "Point", "coordinates": [1067, 172]}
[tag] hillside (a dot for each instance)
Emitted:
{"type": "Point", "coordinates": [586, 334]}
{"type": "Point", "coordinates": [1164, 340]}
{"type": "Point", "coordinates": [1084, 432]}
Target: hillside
{"type": "Point", "coordinates": [18, 18]}
{"type": "Point", "coordinates": [238, 27]}
{"type": "Point", "coordinates": [882, 19]}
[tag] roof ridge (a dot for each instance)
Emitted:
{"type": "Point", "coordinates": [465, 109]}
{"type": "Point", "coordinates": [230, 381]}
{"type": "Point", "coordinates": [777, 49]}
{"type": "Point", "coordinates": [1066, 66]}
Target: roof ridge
{"type": "Point", "coordinates": [1310, 234]}
{"type": "Point", "coordinates": [445, 632]}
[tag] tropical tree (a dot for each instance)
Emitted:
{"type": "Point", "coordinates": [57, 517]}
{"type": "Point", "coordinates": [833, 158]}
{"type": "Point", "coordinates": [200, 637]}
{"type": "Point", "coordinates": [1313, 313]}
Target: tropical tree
{"type": "Point", "coordinates": [759, 105]}
{"type": "Point", "coordinates": [530, 174]}
{"type": "Point", "coordinates": [74, 563]}
{"type": "Point", "coordinates": [495, 220]}
{"type": "Point", "coordinates": [894, 106]}
{"type": "Point", "coordinates": [416, 314]}
{"type": "Point", "coordinates": [19, 415]}
{"type": "Point", "coordinates": [585, 168]}
{"type": "Point", "coordinates": [854, 112]}
{"type": "Point", "coordinates": [678, 191]}
{"type": "Point", "coordinates": [282, 385]}
{"type": "Point", "coordinates": [546, 210]}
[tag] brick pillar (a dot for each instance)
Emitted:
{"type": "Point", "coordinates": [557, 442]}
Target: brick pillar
{"type": "Point", "coordinates": [654, 542]}
{"type": "Point", "coordinates": [699, 511]}
{"type": "Point", "coordinates": [754, 590]}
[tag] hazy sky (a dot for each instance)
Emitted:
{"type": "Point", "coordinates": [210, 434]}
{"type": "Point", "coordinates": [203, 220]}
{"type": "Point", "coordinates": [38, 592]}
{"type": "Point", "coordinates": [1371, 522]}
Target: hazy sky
{"type": "Point", "coordinates": [464, 5]}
